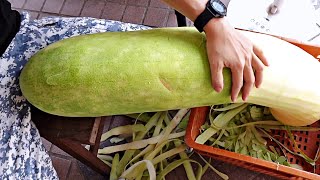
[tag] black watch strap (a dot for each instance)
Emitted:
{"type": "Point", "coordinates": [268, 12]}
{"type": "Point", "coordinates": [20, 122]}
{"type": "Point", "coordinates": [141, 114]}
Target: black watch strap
{"type": "Point", "coordinates": [203, 19]}
{"type": "Point", "coordinates": [209, 13]}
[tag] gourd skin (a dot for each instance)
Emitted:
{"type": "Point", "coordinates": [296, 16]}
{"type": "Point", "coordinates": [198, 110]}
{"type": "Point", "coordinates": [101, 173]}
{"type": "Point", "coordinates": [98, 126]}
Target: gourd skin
{"type": "Point", "coordinates": [153, 70]}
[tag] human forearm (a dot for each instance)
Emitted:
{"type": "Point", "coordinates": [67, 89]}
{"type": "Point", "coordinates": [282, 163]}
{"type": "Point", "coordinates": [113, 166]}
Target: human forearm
{"type": "Point", "coordinates": [190, 8]}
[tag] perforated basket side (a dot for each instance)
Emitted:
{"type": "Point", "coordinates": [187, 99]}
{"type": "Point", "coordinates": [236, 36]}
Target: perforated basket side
{"type": "Point", "coordinates": [306, 142]}
{"type": "Point", "coordinates": [250, 166]}
{"type": "Point", "coordinates": [197, 119]}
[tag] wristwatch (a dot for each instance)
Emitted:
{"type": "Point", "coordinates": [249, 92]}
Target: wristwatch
{"type": "Point", "coordinates": [214, 9]}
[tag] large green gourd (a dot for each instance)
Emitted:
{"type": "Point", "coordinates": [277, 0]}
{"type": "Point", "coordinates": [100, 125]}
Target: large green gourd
{"type": "Point", "coordinates": [153, 70]}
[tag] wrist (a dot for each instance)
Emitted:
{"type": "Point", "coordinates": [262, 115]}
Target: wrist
{"type": "Point", "coordinates": [214, 25]}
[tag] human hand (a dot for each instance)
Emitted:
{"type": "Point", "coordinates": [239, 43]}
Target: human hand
{"type": "Point", "coordinates": [226, 47]}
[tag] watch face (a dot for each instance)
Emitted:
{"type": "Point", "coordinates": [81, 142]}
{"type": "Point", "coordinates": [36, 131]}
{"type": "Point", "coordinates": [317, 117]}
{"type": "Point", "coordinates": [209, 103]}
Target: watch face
{"type": "Point", "coordinates": [218, 6]}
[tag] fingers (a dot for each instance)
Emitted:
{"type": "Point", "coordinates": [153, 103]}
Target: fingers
{"type": "Point", "coordinates": [259, 53]}
{"type": "Point", "coordinates": [249, 80]}
{"type": "Point", "coordinates": [237, 80]}
{"type": "Point", "coordinates": [216, 75]}
{"type": "Point", "coordinates": [246, 69]}
{"type": "Point", "coordinates": [258, 67]}
{"type": "Point", "coordinates": [247, 75]}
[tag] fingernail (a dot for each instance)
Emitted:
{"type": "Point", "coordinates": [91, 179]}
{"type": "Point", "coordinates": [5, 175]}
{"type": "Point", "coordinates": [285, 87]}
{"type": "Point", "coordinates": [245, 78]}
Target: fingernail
{"type": "Point", "coordinates": [258, 85]}
{"type": "Point", "coordinates": [244, 98]}
{"type": "Point", "coordinates": [218, 89]}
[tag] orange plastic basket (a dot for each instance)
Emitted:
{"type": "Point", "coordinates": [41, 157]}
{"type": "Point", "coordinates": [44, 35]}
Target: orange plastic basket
{"type": "Point", "coordinates": [308, 142]}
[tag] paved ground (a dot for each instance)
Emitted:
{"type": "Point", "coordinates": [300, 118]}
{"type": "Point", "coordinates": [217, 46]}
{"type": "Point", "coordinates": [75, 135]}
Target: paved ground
{"type": "Point", "coordinates": [148, 12]}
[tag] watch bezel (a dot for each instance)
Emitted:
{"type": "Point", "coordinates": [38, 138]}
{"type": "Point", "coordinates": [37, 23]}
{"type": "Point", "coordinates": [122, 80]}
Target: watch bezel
{"type": "Point", "coordinates": [211, 5]}
{"type": "Point", "coordinates": [208, 13]}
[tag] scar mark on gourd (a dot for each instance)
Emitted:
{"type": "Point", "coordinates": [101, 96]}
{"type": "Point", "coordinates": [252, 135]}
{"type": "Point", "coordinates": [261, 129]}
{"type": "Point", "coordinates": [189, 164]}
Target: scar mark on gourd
{"type": "Point", "coordinates": [165, 84]}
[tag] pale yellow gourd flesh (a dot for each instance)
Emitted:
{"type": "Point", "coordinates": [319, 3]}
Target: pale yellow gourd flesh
{"type": "Point", "coordinates": [292, 80]}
